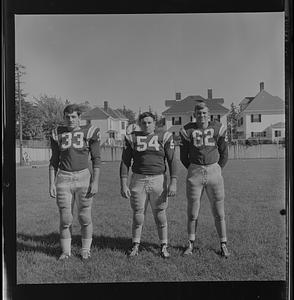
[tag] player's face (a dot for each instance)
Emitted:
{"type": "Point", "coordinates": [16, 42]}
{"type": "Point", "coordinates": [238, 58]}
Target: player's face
{"type": "Point", "coordinates": [147, 125]}
{"type": "Point", "coordinates": [202, 116]}
{"type": "Point", "coordinates": [72, 120]}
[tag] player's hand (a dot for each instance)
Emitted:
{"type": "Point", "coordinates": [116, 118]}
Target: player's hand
{"type": "Point", "coordinates": [172, 190]}
{"type": "Point", "coordinates": [93, 190]}
{"type": "Point", "coordinates": [52, 191]}
{"type": "Point", "coordinates": [125, 192]}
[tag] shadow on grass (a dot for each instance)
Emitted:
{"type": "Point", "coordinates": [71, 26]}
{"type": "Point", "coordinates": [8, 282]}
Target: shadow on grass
{"type": "Point", "coordinates": [49, 243]}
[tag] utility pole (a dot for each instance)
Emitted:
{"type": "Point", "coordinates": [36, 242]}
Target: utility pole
{"type": "Point", "coordinates": [21, 160]}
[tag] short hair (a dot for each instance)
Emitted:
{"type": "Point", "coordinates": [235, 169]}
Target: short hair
{"type": "Point", "coordinates": [146, 114]}
{"type": "Point", "coordinates": [200, 105]}
{"type": "Point", "coordinates": [69, 109]}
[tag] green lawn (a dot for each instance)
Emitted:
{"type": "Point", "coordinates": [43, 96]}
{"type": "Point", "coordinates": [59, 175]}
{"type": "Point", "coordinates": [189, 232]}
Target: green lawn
{"type": "Point", "coordinates": [255, 193]}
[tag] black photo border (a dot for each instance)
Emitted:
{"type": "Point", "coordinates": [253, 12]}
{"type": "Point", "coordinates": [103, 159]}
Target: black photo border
{"type": "Point", "coordinates": [236, 290]}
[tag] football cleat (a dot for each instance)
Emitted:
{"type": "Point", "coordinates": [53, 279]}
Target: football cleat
{"type": "Point", "coordinates": [224, 250]}
{"type": "Point", "coordinates": [85, 254]}
{"type": "Point", "coordinates": [64, 256]}
{"type": "Point", "coordinates": [163, 251]}
{"type": "Point", "coordinates": [189, 249]}
{"type": "Point", "coordinates": [134, 250]}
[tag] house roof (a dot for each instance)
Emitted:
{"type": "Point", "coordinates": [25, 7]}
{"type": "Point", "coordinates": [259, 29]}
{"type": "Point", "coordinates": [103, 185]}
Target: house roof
{"type": "Point", "coordinates": [111, 112]}
{"type": "Point", "coordinates": [265, 101]}
{"type": "Point", "coordinates": [217, 100]}
{"type": "Point", "coordinates": [120, 115]}
{"type": "Point", "coordinates": [278, 125]}
{"type": "Point", "coordinates": [96, 113]}
{"type": "Point", "coordinates": [99, 113]}
{"type": "Point", "coordinates": [246, 100]}
{"type": "Point", "coordinates": [187, 105]}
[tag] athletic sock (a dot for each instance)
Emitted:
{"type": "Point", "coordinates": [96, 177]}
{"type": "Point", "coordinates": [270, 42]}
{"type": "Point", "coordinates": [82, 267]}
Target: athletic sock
{"type": "Point", "coordinates": [66, 245]}
{"type": "Point", "coordinates": [191, 236]}
{"type": "Point", "coordinates": [86, 244]}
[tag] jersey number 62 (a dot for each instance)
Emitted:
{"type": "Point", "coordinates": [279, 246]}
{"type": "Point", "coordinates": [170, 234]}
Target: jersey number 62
{"type": "Point", "coordinates": [204, 138]}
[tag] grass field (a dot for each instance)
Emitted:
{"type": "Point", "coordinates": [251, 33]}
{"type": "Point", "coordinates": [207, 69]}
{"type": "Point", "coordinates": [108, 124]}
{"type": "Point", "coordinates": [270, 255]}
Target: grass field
{"type": "Point", "coordinates": [255, 193]}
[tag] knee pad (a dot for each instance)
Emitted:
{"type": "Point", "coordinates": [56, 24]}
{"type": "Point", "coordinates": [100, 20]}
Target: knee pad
{"type": "Point", "coordinates": [219, 217]}
{"type": "Point", "coordinates": [138, 217]}
{"type": "Point", "coordinates": [85, 217]}
{"type": "Point", "coordinates": [192, 217]}
{"type": "Point", "coordinates": [65, 219]}
{"type": "Point", "coordinates": [160, 217]}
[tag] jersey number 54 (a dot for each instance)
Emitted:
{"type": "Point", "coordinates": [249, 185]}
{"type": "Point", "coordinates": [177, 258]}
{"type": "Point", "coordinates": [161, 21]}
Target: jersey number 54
{"type": "Point", "coordinates": [143, 144]}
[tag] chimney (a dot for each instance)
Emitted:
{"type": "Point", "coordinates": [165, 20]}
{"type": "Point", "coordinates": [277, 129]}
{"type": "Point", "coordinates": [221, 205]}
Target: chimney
{"type": "Point", "coordinates": [261, 86]}
{"type": "Point", "coordinates": [178, 96]}
{"type": "Point", "coordinates": [209, 94]}
{"type": "Point", "coordinates": [105, 105]}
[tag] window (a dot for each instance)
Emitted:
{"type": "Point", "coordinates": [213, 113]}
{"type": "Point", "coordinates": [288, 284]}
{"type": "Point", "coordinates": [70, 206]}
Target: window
{"type": "Point", "coordinates": [258, 134]}
{"type": "Point", "coordinates": [213, 118]}
{"type": "Point", "coordinates": [278, 133]}
{"type": "Point", "coordinates": [256, 118]}
{"type": "Point", "coordinates": [123, 125]}
{"type": "Point", "coordinates": [240, 121]}
{"type": "Point", "coordinates": [176, 120]}
{"type": "Point", "coordinates": [191, 119]}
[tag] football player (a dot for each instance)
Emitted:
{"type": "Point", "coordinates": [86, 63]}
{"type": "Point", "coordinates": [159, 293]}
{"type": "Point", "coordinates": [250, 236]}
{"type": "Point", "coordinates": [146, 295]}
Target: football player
{"type": "Point", "coordinates": [204, 152]}
{"type": "Point", "coordinates": [148, 150]}
{"type": "Point", "coordinates": [70, 179]}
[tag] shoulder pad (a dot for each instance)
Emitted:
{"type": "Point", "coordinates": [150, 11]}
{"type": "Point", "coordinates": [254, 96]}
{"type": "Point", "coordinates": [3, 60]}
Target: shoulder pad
{"type": "Point", "coordinates": [166, 136]}
{"type": "Point", "coordinates": [183, 132]}
{"type": "Point", "coordinates": [189, 125]}
{"type": "Point", "coordinates": [61, 129]}
{"type": "Point", "coordinates": [132, 127]}
{"type": "Point", "coordinates": [222, 130]}
{"type": "Point", "coordinates": [93, 133]}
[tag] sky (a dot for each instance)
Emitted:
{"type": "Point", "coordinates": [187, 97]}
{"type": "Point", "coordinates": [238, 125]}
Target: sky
{"type": "Point", "coordinates": [142, 60]}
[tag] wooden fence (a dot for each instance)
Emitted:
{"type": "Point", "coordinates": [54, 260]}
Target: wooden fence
{"type": "Point", "coordinates": [32, 155]}
{"type": "Point", "coordinates": [108, 153]}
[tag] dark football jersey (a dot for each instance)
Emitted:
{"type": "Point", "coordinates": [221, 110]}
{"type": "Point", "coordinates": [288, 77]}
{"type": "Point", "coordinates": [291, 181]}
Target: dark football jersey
{"type": "Point", "coordinates": [203, 146]}
{"type": "Point", "coordinates": [149, 153]}
{"type": "Point", "coordinates": [71, 149]}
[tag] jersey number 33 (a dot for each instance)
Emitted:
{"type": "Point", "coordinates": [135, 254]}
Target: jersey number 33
{"type": "Point", "coordinates": [76, 140]}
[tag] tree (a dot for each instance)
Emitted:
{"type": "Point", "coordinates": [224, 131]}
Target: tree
{"type": "Point", "coordinates": [19, 73]}
{"type": "Point", "coordinates": [232, 121]}
{"type": "Point", "coordinates": [51, 110]}
{"type": "Point", "coordinates": [160, 121]}
{"type": "Point", "coordinates": [28, 123]}
{"type": "Point", "coordinates": [32, 122]}
{"type": "Point", "coordinates": [131, 116]}
{"type": "Point", "coordinates": [85, 106]}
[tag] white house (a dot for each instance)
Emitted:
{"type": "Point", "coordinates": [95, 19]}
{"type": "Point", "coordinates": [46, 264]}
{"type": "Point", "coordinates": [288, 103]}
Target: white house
{"type": "Point", "coordinates": [260, 116]}
{"type": "Point", "coordinates": [111, 122]}
{"type": "Point", "coordinates": [180, 111]}
{"type": "Point", "coordinates": [276, 132]}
